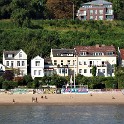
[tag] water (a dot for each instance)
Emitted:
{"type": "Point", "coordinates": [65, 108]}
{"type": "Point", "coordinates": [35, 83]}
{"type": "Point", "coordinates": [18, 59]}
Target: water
{"type": "Point", "coordinates": [69, 114]}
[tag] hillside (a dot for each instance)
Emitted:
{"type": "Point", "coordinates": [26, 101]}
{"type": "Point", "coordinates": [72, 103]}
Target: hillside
{"type": "Point", "coordinates": [47, 34]}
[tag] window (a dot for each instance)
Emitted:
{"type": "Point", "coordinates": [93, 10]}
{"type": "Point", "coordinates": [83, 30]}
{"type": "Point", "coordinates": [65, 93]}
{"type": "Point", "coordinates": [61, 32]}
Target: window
{"type": "Point", "coordinates": [99, 70]}
{"type": "Point", "coordinates": [100, 11]}
{"type": "Point", "coordinates": [59, 70]}
{"type": "Point", "coordinates": [10, 55]}
{"type": "Point", "coordinates": [66, 71]}
{"type": "Point", "coordinates": [73, 62]}
{"type": "Point", "coordinates": [103, 70]}
{"type": "Point", "coordinates": [23, 63]}
{"type": "Point", "coordinates": [7, 63]}
{"type": "Point", "coordinates": [80, 62]}
{"type": "Point", "coordinates": [85, 70]}
{"type": "Point", "coordinates": [18, 63]}
{"type": "Point", "coordinates": [95, 11]}
{"type": "Point", "coordinates": [110, 53]}
{"type": "Point", "coordinates": [80, 71]}
{"type": "Point", "coordinates": [91, 12]}
{"type": "Point", "coordinates": [91, 17]}
{"type": "Point", "coordinates": [39, 72]}
{"type": "Point", "coordinates": [100, 17]}
{"type": "Point", "coordinates": [90, 71]}
{"type": "Point", "coordinates": [11, 63]}
{"type": "Point", "coordinates": [55, 62]}
{"type": "Point", "coordinates": [95, 17]}
{"type": "Point", "coordinates": [68, 62]}
{"type": "Point", "coordinates": [85, 63]}
{"type": "Point", "coordinates": [37, 63]}
{"type": "Point", "coordinates": [35, 72]}
{"type": "Point", "coordinates": [82, 53]}
{"type": "Point", "coordinates": [20, 54]}
{"type": "Point", "coordinates": [61, 62]}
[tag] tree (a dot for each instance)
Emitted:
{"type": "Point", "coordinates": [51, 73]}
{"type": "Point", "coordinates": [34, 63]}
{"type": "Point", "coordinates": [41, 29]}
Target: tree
{"type": "Point", "coordinates": [1, 82]}
{"type": "Point", "coordinates": [8, 75]}
{"type": "Point", "coordinates": [94, 71]}
{"type": "Point", "coordinates": [21, 18]}
{"type": "Point", "coordinates": [27, 79]}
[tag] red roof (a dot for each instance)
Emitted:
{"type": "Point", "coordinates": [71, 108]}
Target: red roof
{"type": "Point", "coordinates": [122, 53]}
{"type": "Point", "coordinates": [97, 48]}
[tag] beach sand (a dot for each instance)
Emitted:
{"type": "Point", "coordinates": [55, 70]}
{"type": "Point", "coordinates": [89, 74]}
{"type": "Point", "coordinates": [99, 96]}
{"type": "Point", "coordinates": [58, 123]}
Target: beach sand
{"type": "Point", "coordinates": [63, 99]}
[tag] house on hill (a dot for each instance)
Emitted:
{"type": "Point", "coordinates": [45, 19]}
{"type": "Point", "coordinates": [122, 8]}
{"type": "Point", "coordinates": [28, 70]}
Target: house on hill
{"type": "Point", "coordinates": [96, 10]}
{"type": "Point", "coordinates": [37, 67]}
{"type": "Point", "coordinates": [102, 56]}
{"type": "Point", "coordinates": [16, 60]}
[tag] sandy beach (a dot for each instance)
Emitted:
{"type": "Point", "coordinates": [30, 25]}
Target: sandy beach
{"type": "Point", "coordinates": [63, 99]}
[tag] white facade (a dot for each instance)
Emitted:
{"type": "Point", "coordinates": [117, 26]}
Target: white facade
{"type": "Point", "coordinates": [63, 61]}
{"type": "Point", "coordinates": [104, 65]}
{"type": "Point", "coordinates": [37, 67]}
{"type": "Point", "coordinates": [16, 60]}
{"type": "Point", "coordinates": [81, 60]}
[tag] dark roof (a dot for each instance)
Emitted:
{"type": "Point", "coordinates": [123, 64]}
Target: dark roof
{"type": "Point", "coordinates": [63, 52]}
{"type": "Point", "coordinates": [97, 48]}
{"type": "Point", "coordinates": [122, 53]}
{"type": "Point", "coordinates": [98, 2]}
{"type": "Point", "coordinates": [14, 53]}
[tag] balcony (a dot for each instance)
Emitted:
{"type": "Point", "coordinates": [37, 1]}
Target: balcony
{"type": "Point", "coordinates": [103, 65]}
{"type": "Point", "coordinates": [62, 66]}
{"type": "Point", "coordinates": [81, 13]}
{"type": "Point", "coordinates": [109, 12]}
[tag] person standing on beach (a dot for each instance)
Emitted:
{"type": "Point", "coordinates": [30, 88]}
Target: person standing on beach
{"type": "Point", "coordinates": [36, 99]}
{"type": "Point", "coordinates": [13, 101]}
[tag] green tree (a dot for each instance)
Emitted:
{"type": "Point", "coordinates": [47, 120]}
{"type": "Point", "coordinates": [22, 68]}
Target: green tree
{"type": "Point", "coordinates": [8, 75]}
{"type": "Point", "coordinates": [27, 79]}
{"type": "Point", "coordinates": [94, 70]}
{"type": "Point", "coordinates": [21, 18]}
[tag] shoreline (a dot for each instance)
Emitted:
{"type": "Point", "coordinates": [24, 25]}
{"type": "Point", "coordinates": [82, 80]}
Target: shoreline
{"type": "Point", "coordinates": [104, 98]}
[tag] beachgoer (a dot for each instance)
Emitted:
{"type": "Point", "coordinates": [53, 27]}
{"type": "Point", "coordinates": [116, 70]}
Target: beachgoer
{"type": "Point", "coordinates": [113, 97]}
{"type": "Point", "coordinates": [36, 99]}
{"type": "Point", "coordinates": [13, 101]}
{"type": "Point", "coordinates": [91, 94]}
{"type": "Point", "coordinates": [41, 96]}
{"type": "Point", "coordinates": [45, 97]}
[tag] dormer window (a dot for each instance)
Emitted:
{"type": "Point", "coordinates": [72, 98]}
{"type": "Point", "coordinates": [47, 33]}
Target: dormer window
{"type": "Point", "coordinates": [110, 53]}
{"type": "Point", "coordinates": [10, 55]}
{"type": "Point", "coordinates": [82, 53]}
{"type": "Point", "coordinates": [37, 63]}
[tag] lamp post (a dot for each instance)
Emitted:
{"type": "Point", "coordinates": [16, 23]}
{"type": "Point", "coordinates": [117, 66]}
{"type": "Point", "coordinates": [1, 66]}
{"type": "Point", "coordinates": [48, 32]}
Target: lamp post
{"type": "Point", "coordinates": [74, 66]}
{"type": "Point", "coordinates": [73, 9]}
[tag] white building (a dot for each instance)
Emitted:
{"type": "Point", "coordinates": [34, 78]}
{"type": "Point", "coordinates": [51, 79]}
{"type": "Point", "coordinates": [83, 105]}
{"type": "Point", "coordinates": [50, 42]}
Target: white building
{"type": "Point", "coordinates": [16, 60]}
{"type": "Point", "coordinates": [63, 61]}
{"type": "Point", "coordinates": [101, 56]}
{"type": "Point", "coordinates": [37, 67]}
{"type": "Point", "coordinates": [81, 60]}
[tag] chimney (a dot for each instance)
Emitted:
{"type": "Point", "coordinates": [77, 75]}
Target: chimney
{"type": "Point", "coordinates": [97, 45]}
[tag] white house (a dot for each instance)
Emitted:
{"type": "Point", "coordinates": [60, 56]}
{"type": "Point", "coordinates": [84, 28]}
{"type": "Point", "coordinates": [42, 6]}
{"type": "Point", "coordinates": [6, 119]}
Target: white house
{"type": "Point", "coordinates": [81, 60]}
{"type": "Point", "coordinates": [16, 60]}
{"type": "Point", "coordinates": [37, 67]}
{"type": "Point", "coordinates": [101, 56]}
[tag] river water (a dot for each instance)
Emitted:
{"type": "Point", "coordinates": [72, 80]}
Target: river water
{"type": "Point", "coordinates": [62, 114]}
